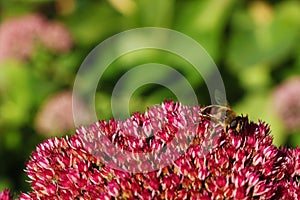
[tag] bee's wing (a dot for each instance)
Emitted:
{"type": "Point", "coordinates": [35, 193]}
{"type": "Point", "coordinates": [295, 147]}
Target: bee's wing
{"type": "Point", "coordinates": [220, 98]}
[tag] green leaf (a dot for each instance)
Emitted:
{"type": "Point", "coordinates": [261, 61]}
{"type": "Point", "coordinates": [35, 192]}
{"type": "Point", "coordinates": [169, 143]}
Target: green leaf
{"type": "Point", "coordinates": [15, 94]}
{"type": "Point", "coordinates": [12, 139]}
{"type": "Point", "coordinates": [154, 13]}
{"type": "Point", "coordinates": [205, 22]}
{"type": "Point", "coordinates": [93, 22]}
{"type": "Point", "coordinates": [255, 78]}
{"type": "Point", "coordinates": [267, 43]}
{"type": "Point", "coordinates": [295, 139]}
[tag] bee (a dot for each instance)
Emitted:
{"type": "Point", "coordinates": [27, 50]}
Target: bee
{"type": "Point", "coordinates": [223, 115]}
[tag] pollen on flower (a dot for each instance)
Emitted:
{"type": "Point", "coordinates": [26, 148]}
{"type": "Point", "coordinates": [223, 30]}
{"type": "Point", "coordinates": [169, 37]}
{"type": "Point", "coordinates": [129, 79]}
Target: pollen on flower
{"type": "Point", "coordinates": [233, 166]}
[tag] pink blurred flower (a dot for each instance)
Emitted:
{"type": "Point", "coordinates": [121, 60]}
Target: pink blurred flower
{"type": "Point", "coordinates": [17, 36]}
{"type": "Point", "coordinates": [55, 115]}
{"type": "Point", "coordinates": [287, 103]}
{"type": "Point", "coordinates": [56, 37]}
{"type": "Point", "coordinates": [237, 165]}
{"type": "Point", "coordinates": [20, 35]}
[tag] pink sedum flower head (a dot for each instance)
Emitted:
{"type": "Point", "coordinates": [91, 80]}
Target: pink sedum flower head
{"type": "Point", "coordinates": [213, 164]}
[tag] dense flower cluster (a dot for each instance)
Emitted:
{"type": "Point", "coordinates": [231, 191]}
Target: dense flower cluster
{"type": "Point", "coordinates": [20, 35]}
{"type": "Point", "coordinates": [214, 165]}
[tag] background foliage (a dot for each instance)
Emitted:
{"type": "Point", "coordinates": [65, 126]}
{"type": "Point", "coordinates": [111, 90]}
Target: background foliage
{"type": "Point", "coordinates": [255, 44]}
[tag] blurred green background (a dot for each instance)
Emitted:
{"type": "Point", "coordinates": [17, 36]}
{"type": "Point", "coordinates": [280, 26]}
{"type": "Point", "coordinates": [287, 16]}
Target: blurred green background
{"type": "Point", "coordinates": [255, 44]}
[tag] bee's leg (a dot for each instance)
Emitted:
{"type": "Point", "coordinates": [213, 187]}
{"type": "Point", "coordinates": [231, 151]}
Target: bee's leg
{"type": "Point", "coordinates": [233, 124]}
{"type": "Point", "coordinates": [240, 124]}
{"type": "Point", "coordinates": [236, 124]}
